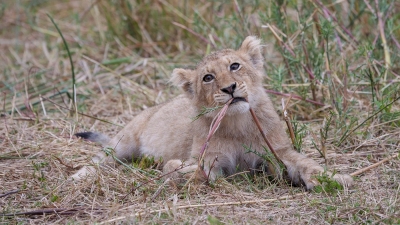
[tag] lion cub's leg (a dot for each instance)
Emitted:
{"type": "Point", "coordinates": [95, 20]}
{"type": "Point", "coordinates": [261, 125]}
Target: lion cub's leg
{"type": "Point", "coordinates": [115, 148]}
{"type": "Point", "coordinates": [99, 159]}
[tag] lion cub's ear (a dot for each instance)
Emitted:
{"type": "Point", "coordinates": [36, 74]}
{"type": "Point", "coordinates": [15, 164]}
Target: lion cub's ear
{"type": "Point", "coordinates": [182, 78]}
{"type": "Point", "coordinates": [252, 46]}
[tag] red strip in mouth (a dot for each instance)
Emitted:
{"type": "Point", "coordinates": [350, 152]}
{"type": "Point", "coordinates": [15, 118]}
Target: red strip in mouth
{"type": "Point", "coordinates": [238, 99]}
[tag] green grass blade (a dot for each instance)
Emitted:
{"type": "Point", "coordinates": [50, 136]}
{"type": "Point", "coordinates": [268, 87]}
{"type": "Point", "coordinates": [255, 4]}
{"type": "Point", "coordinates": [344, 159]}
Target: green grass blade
{"type": "Point", "coordinates": [69, 56]}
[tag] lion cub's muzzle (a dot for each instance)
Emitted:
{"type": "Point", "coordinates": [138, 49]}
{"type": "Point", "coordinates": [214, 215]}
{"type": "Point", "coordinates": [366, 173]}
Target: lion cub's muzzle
{"type": "Point", "coordinates": [237, 91]}
{"type": "Point", "coordinates": [238, 99]}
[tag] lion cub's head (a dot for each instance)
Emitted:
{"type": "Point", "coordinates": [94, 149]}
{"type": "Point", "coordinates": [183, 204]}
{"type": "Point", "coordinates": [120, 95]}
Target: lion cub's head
{"type": "Point", "coordinates": [223, 75]}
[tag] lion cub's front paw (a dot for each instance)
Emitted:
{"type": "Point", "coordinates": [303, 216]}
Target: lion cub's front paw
{"type": "Point", "coordinates": [310, 179]}
{"type": "Point", "coordinates": [344, 179]}
{"type": "Point", "coordinates": [305, 171]}
{"type": "Point", "coordinates": [180, 172]}
{"type": "Point", "coordinates": [83, 173]}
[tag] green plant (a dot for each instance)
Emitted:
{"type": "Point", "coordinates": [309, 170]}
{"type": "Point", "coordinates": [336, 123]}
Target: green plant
{"type": "Point", "coordinates": [300, 132]}
{"type": "Point", "coordinates": [327, 184]}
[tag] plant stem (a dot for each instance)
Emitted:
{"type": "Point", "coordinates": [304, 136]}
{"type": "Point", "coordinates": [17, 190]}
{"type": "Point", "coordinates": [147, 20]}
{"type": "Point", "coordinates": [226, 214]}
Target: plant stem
{"type": "Point", "coordinates": [265, 137]}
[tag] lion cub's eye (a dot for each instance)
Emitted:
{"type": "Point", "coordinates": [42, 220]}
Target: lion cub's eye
{"type": "Point", "coordinates": [208, 78]}
{"type": "Point", "coordinates": [234, 66]}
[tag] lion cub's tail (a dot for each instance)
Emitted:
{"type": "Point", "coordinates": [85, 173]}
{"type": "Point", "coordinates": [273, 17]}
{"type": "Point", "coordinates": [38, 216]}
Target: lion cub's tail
{"type": "Point", "coordinates": [95, 137]}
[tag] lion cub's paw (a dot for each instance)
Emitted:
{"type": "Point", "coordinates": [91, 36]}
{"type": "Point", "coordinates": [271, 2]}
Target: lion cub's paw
{"type": "Point", "coordinates": [311, 175]}
{"type": "Point", "coordinates": [344, 179]}
{"type": "Point", "coordinates": [83, 173]}
{"type": "Point", "coordinates": [180, 172]}
{"type": "Point", "coordinates": [310, 180]}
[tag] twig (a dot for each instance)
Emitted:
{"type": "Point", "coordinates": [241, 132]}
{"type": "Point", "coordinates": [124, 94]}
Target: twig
{"type": "Point", "coordinates": [360, 171]}
{"type": "Point", "coordinates": [9, 193]}
{"type": "Point", "coordinates": [265, 137]}
{"type": "Point", "coordinates": [311, 75]}
{"type": "Point", "coordinates": [395, 41]}
{"type": "Point", "coordinates": [158, 191]}
{"type": "Point", "coordinates": [287, 119]}
{"type": "Point", "coordinates": [212, 166]}
{"type": "Point", "coordinates": [49, 211]}
{"type": "Point", "coordinates": [214, 126]}
{"type": "Point", "coordinates": [63, 163]}
{"type": "Point", "coordinates": [207, 205]}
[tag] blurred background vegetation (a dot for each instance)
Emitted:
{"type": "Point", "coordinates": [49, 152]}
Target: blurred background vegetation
{"type": "Point", "coordinates": [336, 55]}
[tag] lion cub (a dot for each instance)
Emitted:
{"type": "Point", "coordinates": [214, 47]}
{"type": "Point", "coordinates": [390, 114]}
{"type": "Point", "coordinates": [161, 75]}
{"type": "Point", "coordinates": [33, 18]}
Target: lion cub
{"type": "Point", "coordinates": [168, 131]}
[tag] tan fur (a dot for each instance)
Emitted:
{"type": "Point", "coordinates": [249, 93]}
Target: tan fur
{"type": "Point", "coordinates": [167, 131]}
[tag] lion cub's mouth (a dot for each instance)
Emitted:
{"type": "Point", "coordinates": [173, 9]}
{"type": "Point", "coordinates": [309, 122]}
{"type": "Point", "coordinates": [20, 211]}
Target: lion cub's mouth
{"type": "Point", "coordinates": [238, 99]}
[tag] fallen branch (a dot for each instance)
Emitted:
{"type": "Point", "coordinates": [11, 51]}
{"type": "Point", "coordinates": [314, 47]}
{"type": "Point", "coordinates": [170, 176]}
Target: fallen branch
{"type": "Point", "coordinates": [60, 211]}
{"type": "Point", "coordinates": [360, 171]}
{"type": "Point", "coordinates": [9, 193]}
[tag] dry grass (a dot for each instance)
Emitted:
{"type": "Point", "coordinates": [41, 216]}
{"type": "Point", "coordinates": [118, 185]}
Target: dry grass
{"type": "Point", "coordinates": [342, 57]}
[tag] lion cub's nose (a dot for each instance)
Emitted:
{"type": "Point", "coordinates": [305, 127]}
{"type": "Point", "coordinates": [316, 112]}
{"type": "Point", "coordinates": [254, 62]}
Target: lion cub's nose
{"type": "Point", "coordinates": [230, 89]}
